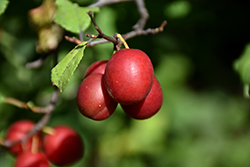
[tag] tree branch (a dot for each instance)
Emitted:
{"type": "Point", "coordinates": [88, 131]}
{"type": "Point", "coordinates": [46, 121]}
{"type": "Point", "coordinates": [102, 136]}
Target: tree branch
{"type": "Point", "coordinates": [15, 102]}
{"type": "Point", "coordinates": [31, 106]}
{"type": "Point", "coordinates": [38, 127]}
{"type": "Point", "coordinates": [101, 3]}
{"type": "Point", "coordinates": [39, 62]}
{"type": "Point", "coordinates": [73, 40]}
{"type": "Point", "coordinates": [40, 124]}
{"type": "Point", "coordinates": [145, 32]}
{"type": "Point", "coordinates": [144, 15]}
{"type": "Point", "coordinates": [133, 34]}
{"type": "Point", "coordinates": [138, 27]}
{"type": "Point", "coordinates": [101, 34]}
{"type": "Point", "coordinates": [140, 5]}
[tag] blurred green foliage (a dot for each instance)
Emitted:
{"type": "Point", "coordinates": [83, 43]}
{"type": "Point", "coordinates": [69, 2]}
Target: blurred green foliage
{"type": "Point", "coordinates": [3, 6]}
{"type": "Point", "coordinates": [204, 120]}
{"type": "Point", "coordinates": [73, 17]}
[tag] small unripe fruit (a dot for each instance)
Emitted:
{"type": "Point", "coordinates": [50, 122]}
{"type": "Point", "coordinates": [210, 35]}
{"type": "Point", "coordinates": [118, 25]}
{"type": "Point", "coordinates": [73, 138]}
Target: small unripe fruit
{"type": "Point", "coordinates": [63, 147]}
{"type": "Point", "coordinates": [31, 160]}
{"type": "Point", "coordinates": [93, 99]}
{"type": "Point", "coordinates": [96, 67]}
{"type": "Point", "coordinates": [16, 132]}
{"type": "Point", "coordinates": [149, 106]}
{"type": "Point", "coordinates": [129, 76]}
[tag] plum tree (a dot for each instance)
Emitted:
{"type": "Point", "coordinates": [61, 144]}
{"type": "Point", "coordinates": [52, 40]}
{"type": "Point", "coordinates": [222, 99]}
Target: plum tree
{"type": "Point", "coordinates": [126, 78]}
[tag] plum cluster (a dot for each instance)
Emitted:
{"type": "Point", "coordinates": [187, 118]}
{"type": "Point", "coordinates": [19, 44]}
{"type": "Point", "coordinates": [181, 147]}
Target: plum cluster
{"type": "Point", "coordinates": [62, 146]}
{"type": "Point", "coordinates": [126, 78]}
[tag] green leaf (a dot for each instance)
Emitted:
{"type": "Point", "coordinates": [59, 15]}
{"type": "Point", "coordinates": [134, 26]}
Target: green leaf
{"type": "Point", "coordinates": [3, 5]}
{"type": "Point", "coordinates": [242, 65]}
{"type": "Point", "coordinates": [62, 72]}
{"type": "Point", "coordinates": [73, 17]}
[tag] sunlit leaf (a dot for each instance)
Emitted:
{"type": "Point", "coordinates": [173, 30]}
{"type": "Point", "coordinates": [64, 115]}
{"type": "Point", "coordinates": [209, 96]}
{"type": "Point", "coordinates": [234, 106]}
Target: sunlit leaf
{"type": "Point", "coordinates": [3, 5]}
{"type": "Point", "coordinates": [242, 65]}
{"type": "Point", "coordinates": [73, 17]}
{"type": "Point", "coordinates": [63, 71]}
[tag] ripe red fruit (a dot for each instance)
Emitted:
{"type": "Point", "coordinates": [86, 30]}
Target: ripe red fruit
{"type": "Point", "coordinates": [96, 67]}
{"type": "Point", "coordinates": [93, 99]}
{"type": "Point", "coordinates": [63, 147]}
{"type": "Point", "coordinates": [129, 76]}
{"type": "Point", "coordinates": [29, 159]}
{"type": "Point", "coordinates": [149, 106]}
{"type": "Point", "coordinates": [16, 132]}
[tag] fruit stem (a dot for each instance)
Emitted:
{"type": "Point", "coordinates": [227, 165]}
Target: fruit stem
{"type": "Point", "coordinates": [48, 130]}
{"type": "Point", "coordinates": [123, 40]}
{"type": "Point", "coordinates": [35, 144]}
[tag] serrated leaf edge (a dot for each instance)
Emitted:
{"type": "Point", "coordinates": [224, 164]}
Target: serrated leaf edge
{"type": "Point", "coordinates": [53, 69]}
